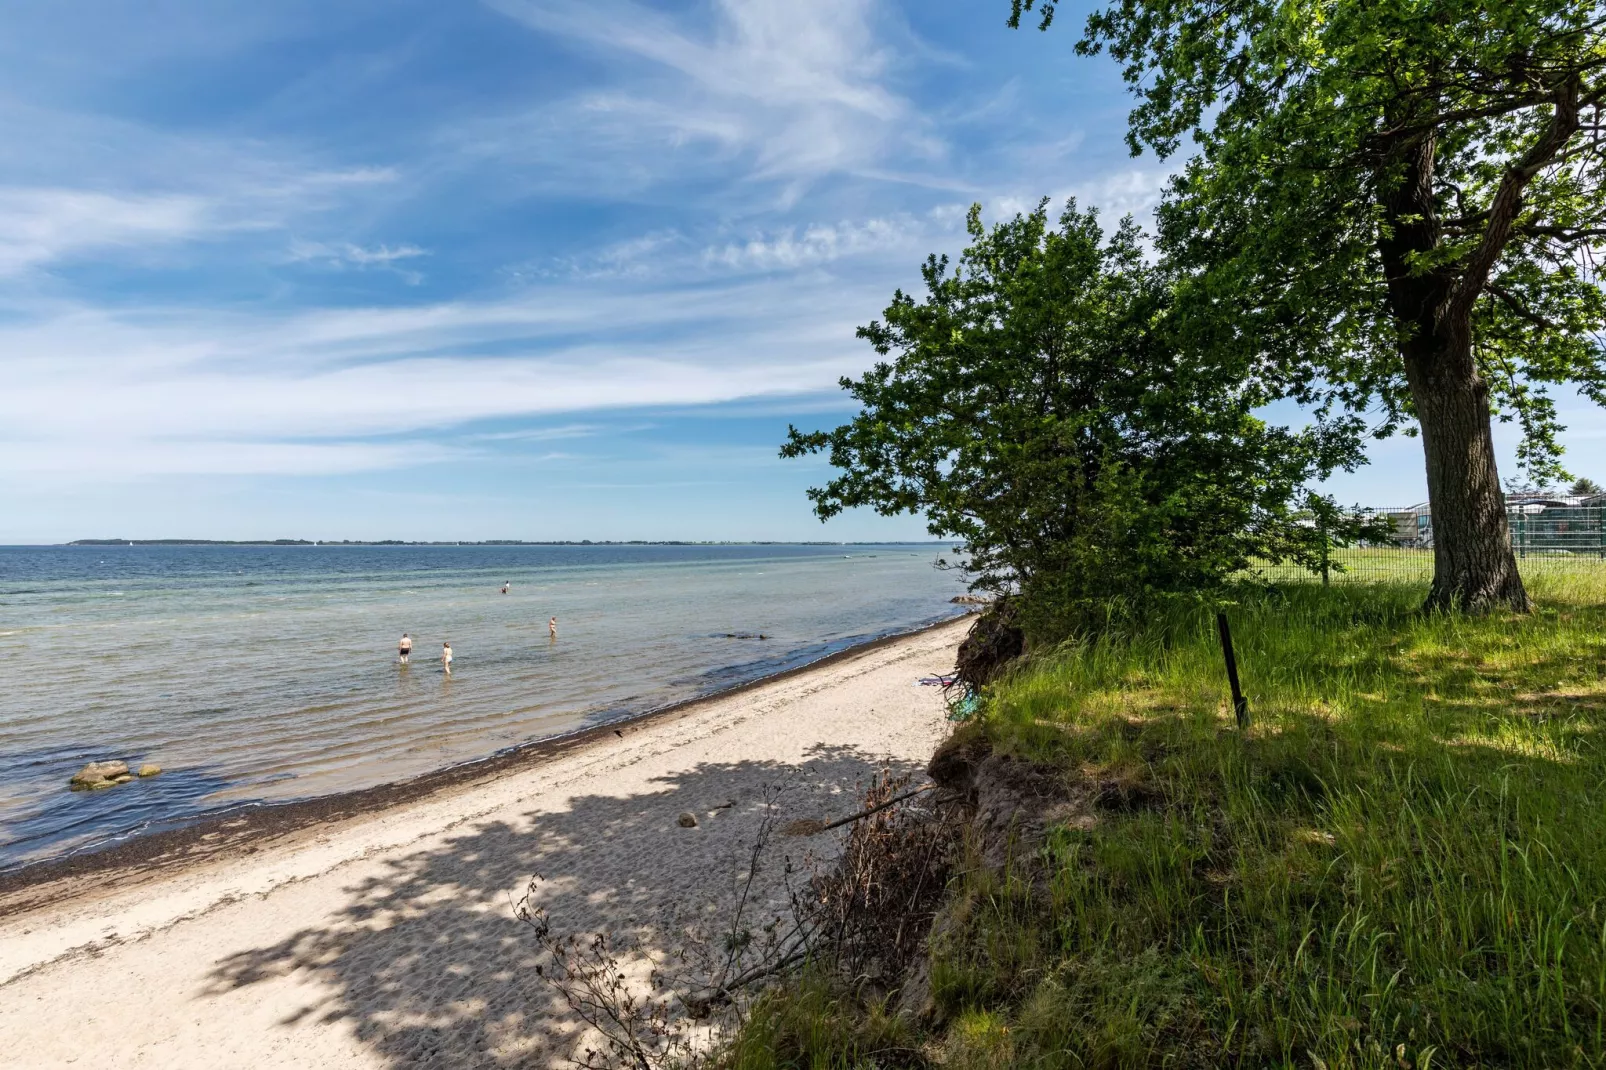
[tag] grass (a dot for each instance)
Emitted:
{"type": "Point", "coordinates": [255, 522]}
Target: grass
{"type": "Point", "coordinates": [1403, 565]}
{"type": "Point", "coordinates": [1401, 864]}
{"type": "Point", "coordinates": [811, 1025]}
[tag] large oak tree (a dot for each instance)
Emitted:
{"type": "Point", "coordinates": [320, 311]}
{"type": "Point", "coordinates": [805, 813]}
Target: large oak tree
{"type": "Point", "coordinates": [1394, 214]}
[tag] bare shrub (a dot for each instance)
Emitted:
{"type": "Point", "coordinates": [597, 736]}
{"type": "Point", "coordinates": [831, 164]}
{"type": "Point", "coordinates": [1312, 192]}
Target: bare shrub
{"type": "Point", "coordinates": [629, 1029]}
{"type": "Point", "coordinates": [873, 907]}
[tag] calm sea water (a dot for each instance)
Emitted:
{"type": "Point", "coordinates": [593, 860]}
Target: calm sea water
{"type": "Point", "coordinates": [269, 673]}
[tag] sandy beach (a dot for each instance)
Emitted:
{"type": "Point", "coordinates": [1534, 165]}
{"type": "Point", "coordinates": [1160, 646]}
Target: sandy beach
{"type": "Point", "coordinates": [386, 938]}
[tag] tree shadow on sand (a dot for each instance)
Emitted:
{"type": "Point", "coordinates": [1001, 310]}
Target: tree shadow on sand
{"type": "Point", "coordinates": [433, 970]}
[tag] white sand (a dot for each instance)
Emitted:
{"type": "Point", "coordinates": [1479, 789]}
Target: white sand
{"type": "Point", "coordinates": [388, 941]}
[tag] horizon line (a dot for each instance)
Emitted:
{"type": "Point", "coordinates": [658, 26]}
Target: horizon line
{"type": "Point", "coordinates": [106, 543]}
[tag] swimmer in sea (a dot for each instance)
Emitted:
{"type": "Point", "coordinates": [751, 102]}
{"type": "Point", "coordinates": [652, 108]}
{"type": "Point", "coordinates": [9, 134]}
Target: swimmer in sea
{"type": "Point", "coordinates": [552, 628]}
{"type": "Point", "coordinates": [446, 658]}
{"type": "Point", "coordinates": [507, 586]}
{"type": "Point", "coordinates": [405, 648]}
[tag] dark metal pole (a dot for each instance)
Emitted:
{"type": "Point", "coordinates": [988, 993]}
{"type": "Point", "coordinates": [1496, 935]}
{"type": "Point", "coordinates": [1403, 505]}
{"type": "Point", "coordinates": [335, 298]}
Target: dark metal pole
{"type": "Point", "coordinates": [1322, 523]}
{"type": "Point", "coordinates": [1240, 705]}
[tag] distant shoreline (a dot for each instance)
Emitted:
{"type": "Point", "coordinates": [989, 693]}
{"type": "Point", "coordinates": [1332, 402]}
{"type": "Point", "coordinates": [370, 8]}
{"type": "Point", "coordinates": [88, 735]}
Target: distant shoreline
{"type": "Point", "coordinates": [491, 542]}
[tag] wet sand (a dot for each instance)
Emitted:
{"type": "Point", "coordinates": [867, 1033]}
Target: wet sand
{"type": "Point", "coordinates": [379, 932]}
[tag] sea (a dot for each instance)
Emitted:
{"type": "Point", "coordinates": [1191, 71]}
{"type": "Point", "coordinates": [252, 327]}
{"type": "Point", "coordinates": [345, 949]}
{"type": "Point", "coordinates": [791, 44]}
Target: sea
{"type": "Point", "coordinates": [258, 674]}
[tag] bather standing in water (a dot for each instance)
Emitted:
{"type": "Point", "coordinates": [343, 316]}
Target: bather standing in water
{"type": "Point", "coordinates": [404, 649]}
{"type": "Point", "coordinates": [446, 658]}
{"type": "Point", "coordinates": [552, 628]}
{"type": "Point", "coordinates": [507, 586]}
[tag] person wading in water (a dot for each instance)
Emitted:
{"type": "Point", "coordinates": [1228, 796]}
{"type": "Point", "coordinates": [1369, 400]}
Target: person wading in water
{"type": "Point", "coordinates": [446, 658]}
{"type": "Point", "coordinates": [405, 648]}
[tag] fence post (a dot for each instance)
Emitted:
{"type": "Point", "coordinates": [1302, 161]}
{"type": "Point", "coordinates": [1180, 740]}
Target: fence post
{"type": "Point", "coordinates": [1321, 525]}
{"type": "Point", "coordinates": [1240, 705]}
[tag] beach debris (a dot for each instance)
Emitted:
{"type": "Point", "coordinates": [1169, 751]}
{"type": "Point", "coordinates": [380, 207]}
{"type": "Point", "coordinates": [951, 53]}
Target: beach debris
{"type": "Point", "coordinates": [97, 775]}
{"type": "Point", "coordinates": [150, 769]}
{"type": "Point", "coordinates": [970, 600]}
{"type": "Point", "coordinates": [745, 635]}
{"type": "Point", "coordinates": [687, 820]}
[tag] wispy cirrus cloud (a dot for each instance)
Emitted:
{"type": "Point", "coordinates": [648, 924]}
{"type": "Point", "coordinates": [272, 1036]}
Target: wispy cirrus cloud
{"type": "Point", "coordinates": [42, 225]}
{"type": "Point", "coordinates": [819, 243]}
{"type": "Point", "coordinates": [342, 255]}
{"type": "Point", "coordinates": [788, 92]}
{"type": "Point", "coordinates": [186, 390]}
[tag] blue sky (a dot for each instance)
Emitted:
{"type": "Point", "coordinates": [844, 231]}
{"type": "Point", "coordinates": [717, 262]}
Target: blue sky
{"type": "Point", "coordinates": [517, 269]}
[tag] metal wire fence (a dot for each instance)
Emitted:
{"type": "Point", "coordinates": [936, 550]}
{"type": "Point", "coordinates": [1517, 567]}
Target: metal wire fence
{"type": "Point", "coordinates": [1548, 534]}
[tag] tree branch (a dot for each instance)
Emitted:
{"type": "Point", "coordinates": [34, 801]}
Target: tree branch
{"type": "Point", "coordinates": [1508, 299]}
{"type": "Point", "coordinates": [1565, 234]}
{"type": "Point", "coordinates": [1507, 201]}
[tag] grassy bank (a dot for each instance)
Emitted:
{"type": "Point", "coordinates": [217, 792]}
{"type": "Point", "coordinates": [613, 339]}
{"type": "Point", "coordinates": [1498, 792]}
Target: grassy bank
{"type": "Point", "coordinates": [1402, 863]}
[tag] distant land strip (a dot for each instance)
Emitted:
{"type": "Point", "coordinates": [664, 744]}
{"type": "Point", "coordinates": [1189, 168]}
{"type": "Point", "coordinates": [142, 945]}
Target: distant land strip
{"type": "Point", "coordinates": [484, 542]}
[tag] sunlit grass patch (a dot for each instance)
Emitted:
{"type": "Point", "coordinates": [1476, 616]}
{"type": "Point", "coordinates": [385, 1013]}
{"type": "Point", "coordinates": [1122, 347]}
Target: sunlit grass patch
{"type": "Point", "coordinates": [813, 1025]}
{"type": "Point", "coordinates": [1410, 565]}
{"type": "Point", "coordinates": [1402, 862]}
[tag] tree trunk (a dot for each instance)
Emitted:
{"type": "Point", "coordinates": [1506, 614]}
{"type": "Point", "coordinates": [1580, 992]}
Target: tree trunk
{"type": "Point", "coordinates": [1473, 566]}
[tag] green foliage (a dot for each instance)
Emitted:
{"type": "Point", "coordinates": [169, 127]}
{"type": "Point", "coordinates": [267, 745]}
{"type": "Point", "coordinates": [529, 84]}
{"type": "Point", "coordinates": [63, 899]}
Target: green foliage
{"type": "Point", "coordinates": [1585, 486]}
{"type": "Point", "coordinates": [1371, 174]}
{"type": "Point", "coordinates": [1400, 865]}
{"type": "Point", "coordinates": [1037, 406]}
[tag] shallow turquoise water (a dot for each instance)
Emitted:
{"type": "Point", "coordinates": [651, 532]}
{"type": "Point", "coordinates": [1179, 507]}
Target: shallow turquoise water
{"type": "Point", "coordinates": [266, 673]}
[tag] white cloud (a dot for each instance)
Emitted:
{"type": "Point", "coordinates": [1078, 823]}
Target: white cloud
{"type": "Point", "coordinates": [350, 254]}
{"type": "Point", "coordinates": [900, 239]}
{"type": "Point", "coordinates": [89, 459]}
{"type": "Point", "coordinates": [1135, 191]}
{"type": "Point", "coordinates": [539, 434]}
{"type": "Point", "coordinates": [41, 225]}
{"type": "Point", "coordinates": [162, 392]}
{"type": "Point", "coordinates": [815, 244]}
{"type": "Point", "coordinates": [790, 91]}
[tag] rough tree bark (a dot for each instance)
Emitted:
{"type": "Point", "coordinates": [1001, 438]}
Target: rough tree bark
{"type": "Point", "coordinates": [1473, 566]}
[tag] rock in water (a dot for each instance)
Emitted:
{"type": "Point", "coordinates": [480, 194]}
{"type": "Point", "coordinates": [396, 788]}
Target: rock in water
{"type": "Point", "coordinates": [100, 775]}
{"type": "Point", "coordinates": [149, 769]}
{"type": "Point", "coordinates": [688, 820]}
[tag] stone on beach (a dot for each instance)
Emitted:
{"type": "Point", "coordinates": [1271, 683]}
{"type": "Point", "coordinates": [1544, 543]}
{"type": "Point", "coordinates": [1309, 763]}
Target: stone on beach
{"type": "Point", "coordinates": [100, 775]}
{"type": "Point", "coordinates": [688, 820]}
{"type": "Point", "coordinates": [150, 769]}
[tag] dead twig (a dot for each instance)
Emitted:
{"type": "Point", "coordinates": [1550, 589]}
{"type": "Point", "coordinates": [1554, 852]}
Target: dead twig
{"type": "Point", "coordinates": [810, 827]}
